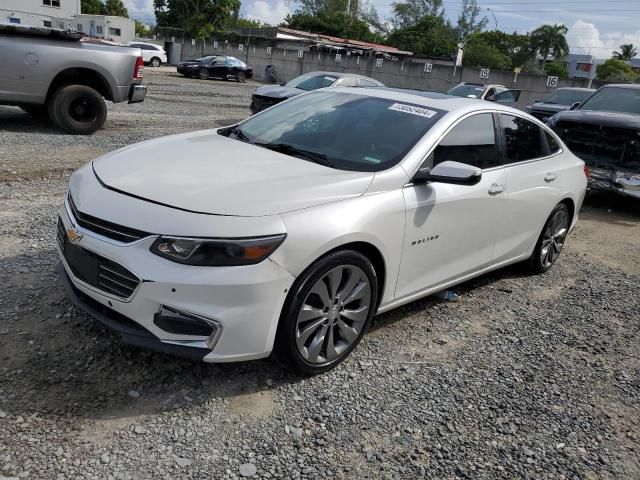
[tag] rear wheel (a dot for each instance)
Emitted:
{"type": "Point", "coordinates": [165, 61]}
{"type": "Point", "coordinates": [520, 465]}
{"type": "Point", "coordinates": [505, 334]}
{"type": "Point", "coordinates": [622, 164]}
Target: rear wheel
{"type": "Point", "coordinates": [77, 109]}
{"type": "Point", "coordinates": [155, 62]}
{"type": "Point", "coordinates": [328, 310]}
{"type": "Point", "coordinates": [203, 74]}
{"type": "Point", "coordinates": [551, 240]}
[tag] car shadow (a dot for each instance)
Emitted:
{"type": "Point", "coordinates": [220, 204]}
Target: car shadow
{"type": "Point", "coordinates": [13, 119]}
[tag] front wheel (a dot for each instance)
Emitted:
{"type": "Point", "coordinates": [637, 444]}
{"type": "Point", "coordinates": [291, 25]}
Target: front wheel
{"type": "Point", "coordinates": [327, 312]}
{"type": "Point", "coordinates": [203, 74]}
{"type": "Point", "coordinates": [551, 240]}
{"type": "Point", "coordinates": [155, 62]}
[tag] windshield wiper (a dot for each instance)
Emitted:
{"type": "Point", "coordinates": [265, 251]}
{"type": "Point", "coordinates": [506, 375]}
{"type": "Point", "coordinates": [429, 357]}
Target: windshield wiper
{"type": "Point", "coordinates": [240, 134]}
{"type": "Point", "coordinates": [287, 149]}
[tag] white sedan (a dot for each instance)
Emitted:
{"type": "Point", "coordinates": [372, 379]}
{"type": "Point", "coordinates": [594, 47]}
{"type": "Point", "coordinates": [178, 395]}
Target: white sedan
{"type": "Point", "coordinates": [287, 232]}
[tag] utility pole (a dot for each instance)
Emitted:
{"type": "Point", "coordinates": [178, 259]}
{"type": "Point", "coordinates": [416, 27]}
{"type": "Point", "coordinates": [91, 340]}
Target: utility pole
{"type": "Point", "coordinates": [495, 20]}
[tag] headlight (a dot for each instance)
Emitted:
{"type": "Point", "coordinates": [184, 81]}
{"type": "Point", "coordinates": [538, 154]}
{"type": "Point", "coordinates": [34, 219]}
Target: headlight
{"type": "Point", "coordinates": [217, 252]}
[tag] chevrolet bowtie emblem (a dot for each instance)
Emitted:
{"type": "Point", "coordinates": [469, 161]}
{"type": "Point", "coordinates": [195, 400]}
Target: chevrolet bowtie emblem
{"type": "Point", "coordinates": [73, 235]}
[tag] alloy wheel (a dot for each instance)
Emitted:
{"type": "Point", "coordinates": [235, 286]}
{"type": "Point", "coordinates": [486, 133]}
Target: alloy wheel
{"type": "Point", "coordinates": [155, 62]}
{"type": "Point", "coordinates": [204, 74]}
{"type": "Point", "coordinates": [553, 238]}
{"type": "Point", "coordinates": [333, 314]}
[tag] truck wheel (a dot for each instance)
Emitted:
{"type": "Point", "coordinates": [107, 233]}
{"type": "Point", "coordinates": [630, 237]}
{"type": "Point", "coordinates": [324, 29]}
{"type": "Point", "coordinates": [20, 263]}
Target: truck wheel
{"type": "Point", "coordinates": [78, 109]}
{"type": "Point", "coordinates": [155, 62]}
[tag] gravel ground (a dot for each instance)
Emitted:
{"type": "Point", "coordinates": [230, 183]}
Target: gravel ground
{"type": "Point", "coordinates": [524, 377]}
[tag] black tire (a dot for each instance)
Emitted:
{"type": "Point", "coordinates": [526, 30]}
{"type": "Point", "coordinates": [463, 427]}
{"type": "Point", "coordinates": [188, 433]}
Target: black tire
{"type": "Point", "coordinates": [203, 74]}
{"type": "Point", "coordinates": [537, 262]}
{"type": "Point", "coordinates": [285, 349]}
{"type": "Point", "coordinates": [155, 62]}
{"type": "Point", "coordinates": [38, 112]}
{"type": "Point", "coordinates": [78, 109]}
{"type": "Point", "coordinates": [241, 77]}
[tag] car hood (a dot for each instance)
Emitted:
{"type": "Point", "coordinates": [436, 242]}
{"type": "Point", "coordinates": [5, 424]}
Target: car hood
{"type": "Point", "coordinates": [209, 173]}
{"type": "Point", "coordinates": [548, 107]}
{"type": "Point", "coordinates": [278, 91]}
{"type": "Point", "coordinates": [594, 117]}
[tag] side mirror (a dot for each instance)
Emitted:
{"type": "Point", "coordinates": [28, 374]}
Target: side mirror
{"type": "Point", "coordinates": [455, 173]}
{"type": "Point", "coordinates": [574, 105]}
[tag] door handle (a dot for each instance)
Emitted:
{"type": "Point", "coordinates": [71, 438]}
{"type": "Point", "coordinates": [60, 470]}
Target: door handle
{"type": "Point", "coordinates": [550, 177]}
{"type": "Point", "coordinates": [495, 189]}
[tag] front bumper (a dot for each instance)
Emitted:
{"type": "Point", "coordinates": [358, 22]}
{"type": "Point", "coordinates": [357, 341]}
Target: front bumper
{"type": "Point", "coordinates": [242, 303]}
{"type": "Point", "coordinates": [137, 93]}
{"type": "Point", "coordinates": [607, 180]}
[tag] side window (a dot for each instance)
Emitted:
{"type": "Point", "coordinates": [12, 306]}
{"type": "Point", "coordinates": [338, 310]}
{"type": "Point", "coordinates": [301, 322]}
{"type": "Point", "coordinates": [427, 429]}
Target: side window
{"type": "Point", "coordinates": [490, 93]}
{"type": "Point", "coordinates": [367, 83]}
{"type": "Point", "coordinates": [347, 82]}
{"type": "Point", "coordinates": [523, 139]}
{"type": "Point", "coordinates": [553, 145]}
{"type": "Point", "coordinates": [472, 141]}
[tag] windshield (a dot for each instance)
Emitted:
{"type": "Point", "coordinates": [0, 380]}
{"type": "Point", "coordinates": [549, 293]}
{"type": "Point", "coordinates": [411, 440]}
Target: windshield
{"type": "Point", "coordinates": [566, 97]}
{"type": "Point", "coordinates": [471, 91]}
{"type": "Point", "coordinates": [342, 130]}
{"type": "Point", "coordinates": [312, 81]}
{"type": "Point", "coordinates": [208, 59]}
{"type": "Point", "coordinates": [614, 99]}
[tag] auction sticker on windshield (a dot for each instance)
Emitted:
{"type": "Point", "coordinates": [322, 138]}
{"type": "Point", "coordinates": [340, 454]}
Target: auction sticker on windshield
{"type": "Point", "coordinates": [402, 107]}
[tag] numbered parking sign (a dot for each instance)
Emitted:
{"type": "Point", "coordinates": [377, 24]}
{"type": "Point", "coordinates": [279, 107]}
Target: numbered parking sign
{"type": "Point", "coordinates": [338, 57]}
{"type": "Point", "coordinates": [552, 82]}
{"type": "Point", "coordinates": [268, 50]}
{"type": "Point", "coordinates": [428, 67]}
{"type": "Point", "coordinates": [484, 73]}
{"type": "Point", "coordinates": [300, 53]}
{"type": "Point", "coordinates": [379, 62]}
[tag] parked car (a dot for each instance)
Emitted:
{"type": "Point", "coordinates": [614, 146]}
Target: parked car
{"type": "Point", "coordinates": [605, 132]}
{"type": "Point", "coordinates": [283, 234]}
{"type": "Point", "coordinates": [216, 66]}
{"type": "Point", "coordinates": [269, 95]}
{"type": "Point", "coordinates": [492, 93]}
{"type": "Point", "coordinates": [152, 54]}
{"type": "Point", "coordinates": [49, 72]}
{"type": "Point", "coordinates": [564, 98]}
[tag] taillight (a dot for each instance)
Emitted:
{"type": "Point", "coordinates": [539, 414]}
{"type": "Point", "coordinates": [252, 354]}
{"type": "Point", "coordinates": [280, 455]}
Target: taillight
{"type": "Point", "coordinates": [139, 69]}
{"type": "Point", "coordinates": [586, 171]}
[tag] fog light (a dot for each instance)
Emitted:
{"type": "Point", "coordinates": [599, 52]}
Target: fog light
{"type": "Point", "coordinates": [177, 322]}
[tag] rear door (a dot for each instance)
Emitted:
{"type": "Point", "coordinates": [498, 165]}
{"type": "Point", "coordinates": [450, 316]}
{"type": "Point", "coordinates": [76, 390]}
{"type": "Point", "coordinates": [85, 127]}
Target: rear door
{"type": "Point", "coordinates": [531, 174]}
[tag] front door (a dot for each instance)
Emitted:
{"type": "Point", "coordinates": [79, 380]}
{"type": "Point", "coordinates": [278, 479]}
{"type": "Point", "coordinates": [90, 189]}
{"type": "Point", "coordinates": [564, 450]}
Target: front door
{"type": "Point", "coordinates": [450, 230]}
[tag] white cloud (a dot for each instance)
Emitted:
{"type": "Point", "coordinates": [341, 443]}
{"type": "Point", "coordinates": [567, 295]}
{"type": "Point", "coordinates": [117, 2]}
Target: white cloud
{"type": "Point", "coordinates": [584, 37]}
{"type": "Point", "coordinates": [141, 10]}
{"type": "Point", "coordinates": [267, 12]}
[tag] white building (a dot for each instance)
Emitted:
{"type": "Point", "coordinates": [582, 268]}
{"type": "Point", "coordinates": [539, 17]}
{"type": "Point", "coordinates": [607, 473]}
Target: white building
{"type": "Point", "coordinates": [118, 29]}
{"type": "Point", "coordinates": [40, 13]}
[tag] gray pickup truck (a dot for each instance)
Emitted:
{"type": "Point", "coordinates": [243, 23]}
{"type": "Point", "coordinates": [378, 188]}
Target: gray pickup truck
{"type": "Point", "coordinates": [49, 72]}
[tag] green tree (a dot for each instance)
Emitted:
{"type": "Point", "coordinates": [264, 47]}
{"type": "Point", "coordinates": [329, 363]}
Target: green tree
{"type": "Point", "coordinates": [556, 69]}
{"type": "Point", "coordinates": [337, 24]}
{"type": "Point", "coordinates": [116, 8]}
{"type": "Point", "coordinates": [550, 39]}
{"type": "Point", "coordinates": [481, 55]}
{"type": "Point", "coordinates": [627, 52]}
{"type": "Point", "coordinates": [92, 7]}
{"type": "Point", "coordinates": [141, 28]}
{"type": "Point", "coordinates": [412, 12]}
{"type": "Point", "coordinates": [199, 18]}
{"type": "Point", "coordinates": [614, 70]}
{"type": "Point", "coordinates": [433, 35]}
{"type": "Point", "coordinates": [512, 45]}
{"type": "Point", "coordinates": [470, 20]}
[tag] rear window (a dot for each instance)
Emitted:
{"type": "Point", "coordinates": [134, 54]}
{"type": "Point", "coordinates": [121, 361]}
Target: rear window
{"type": "Point", "coordinates": [312, 81]}
{"type": "Point", "coordinates": [353, 132]}
{"type": "Point", "coordinates": [469, 91]}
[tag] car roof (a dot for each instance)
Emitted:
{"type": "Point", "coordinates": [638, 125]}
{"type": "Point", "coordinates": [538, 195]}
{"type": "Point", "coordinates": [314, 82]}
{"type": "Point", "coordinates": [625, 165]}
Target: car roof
{"type": "Point", "coordinates": [340, 75]}
{"type": "Point", "coordinates": [622, 85]}
{"type": "Point", "coordinates": [437, 100]}
{"type": "Point", "coordinates": [474, 84]}
{"type": "Point", "coordinates": [577, 89]}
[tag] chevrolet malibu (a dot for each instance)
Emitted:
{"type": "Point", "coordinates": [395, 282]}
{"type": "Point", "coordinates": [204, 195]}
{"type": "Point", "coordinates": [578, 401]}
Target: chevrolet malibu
{"type": "Point", "coordinates": [287, 232]}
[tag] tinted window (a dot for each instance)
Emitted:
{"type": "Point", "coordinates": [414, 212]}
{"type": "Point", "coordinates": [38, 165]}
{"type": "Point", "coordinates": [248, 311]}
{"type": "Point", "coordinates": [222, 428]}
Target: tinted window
{"type": "Point", "coordinates": [472, 141]}
{"type": "Point", "coordinates": [353, 132]}
{"type": "Point", "coordinates": [553, 145]}
{"type": "Point", "coordinates": [506, 97]}
{"type": "Point", "coordinates": [523, 139]}
{"type": "Point", "coordinates": [312, 81]}
{"type": "Point", "coordinates": [567, 97]}
{"type": "Point", "coordinates": [206, 59]}
{"type": "Point", "coordinates": [614, 99]}
{"type": "Point", "coordinates": [367, 83]}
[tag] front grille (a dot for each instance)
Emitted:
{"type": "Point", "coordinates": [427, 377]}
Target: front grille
{"type": "Point", "coordinates": [96, 270]}
{"type": "Point", "coordinates": [105, 228]}
{"type": "Point", "coordinates": [259, 103]}
{"type": "Point", "coordinates": [600, 146]}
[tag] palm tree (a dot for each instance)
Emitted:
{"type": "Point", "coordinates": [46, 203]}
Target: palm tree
{"type": "Point", "coordinates": [626, 53]}
{"type": "Point", "coordinates": [550, 39]}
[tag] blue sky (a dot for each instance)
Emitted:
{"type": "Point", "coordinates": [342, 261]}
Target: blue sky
{"type": "Point", "coordinates": [595, 26]}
